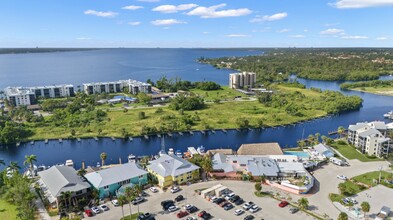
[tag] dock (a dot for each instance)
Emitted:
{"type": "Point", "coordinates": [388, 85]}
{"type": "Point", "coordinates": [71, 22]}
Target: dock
{"type": "Point", "coordinates": [170, 134]}
{"type": "Point", "coordinates": [192, 133]}
{"type": "Point", "coordinates": [46, 141]}
{"type": "Point", "coordinates": [250, 129]}
{"type": "Point", "coordinates": [159, 135]}
{"type": "Point", "coordinates": [17, 144]}
{"type": "Point", "coordinates": [181, 133]}
{"type": "Point", "coordinates": [32, 142]}
{"type": "Point", "coordinates": [223, 130]}
{"type": "Point", "coordinates": [203, 132]}
{"type": "Point", "coordinates": [213, 131]}
{"type": "Point", "coordinates": [113, 139]}
{"type": "Point", "coordinates": [237, 129]}
{"type": "Point", "coordinates": [78, 139]}
{"type": "Point", "coordinates": [146, 137]}
{"type": "Point", "coordinates": [96, 138]}
{"type": "Point", "coordinates": [130, 138]}
{"type": "Point", "coordinates": [61, 140]}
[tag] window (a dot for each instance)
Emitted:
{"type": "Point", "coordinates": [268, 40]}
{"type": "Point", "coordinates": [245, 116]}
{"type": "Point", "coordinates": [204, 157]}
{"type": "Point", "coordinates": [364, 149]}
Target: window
{"type": "Point", "coordinates": [78, 192]}
{"type": "Point", "coordinates": [106, 187]}
{"type": "Point", "coordinates": [141, 176]}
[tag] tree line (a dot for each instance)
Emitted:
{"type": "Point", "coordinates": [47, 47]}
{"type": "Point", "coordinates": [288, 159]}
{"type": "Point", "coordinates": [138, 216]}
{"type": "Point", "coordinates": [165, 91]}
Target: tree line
{"type": "Point", "coordinates": [176, 84]}
{"type": "Point", "coordinates": [373, 83]}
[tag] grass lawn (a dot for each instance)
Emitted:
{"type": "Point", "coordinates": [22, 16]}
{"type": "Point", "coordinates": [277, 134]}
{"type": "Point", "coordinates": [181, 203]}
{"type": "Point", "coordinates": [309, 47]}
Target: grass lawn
{"type": "Point", "coordinates": [376, 90]}
{"type": "Point", "coordinates": [351, 153]}
{"type": "Point", "coordinates": [224, 94]}
{"type": "Point", "coordinates": [368, 178]}
{"type": "Point", "coordinates": [7, 211]}
{"type": "Point", "coordinates": [335, 197]}
{"type": "Point", "coordinates": [213, 116]}
{"type": "Point", "coordinates": [131, 217]}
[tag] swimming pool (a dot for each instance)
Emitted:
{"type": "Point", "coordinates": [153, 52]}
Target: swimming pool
{"type": "Point", "coordinates": [297, 153]}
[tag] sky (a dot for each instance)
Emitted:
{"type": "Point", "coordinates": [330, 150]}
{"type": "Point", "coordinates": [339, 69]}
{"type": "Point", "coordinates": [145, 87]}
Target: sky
{"type": "Point", "coordinates": [196, 23]}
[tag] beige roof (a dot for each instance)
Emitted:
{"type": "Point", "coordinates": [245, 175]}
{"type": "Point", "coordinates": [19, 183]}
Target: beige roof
{"type": "Point", "coordinates": [220, 151]}
{"type": "Point", "coordinates": [260, 149]}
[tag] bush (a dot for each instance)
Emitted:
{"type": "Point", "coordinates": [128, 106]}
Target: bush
{"type": "Point", "coordinates": [141, 115]}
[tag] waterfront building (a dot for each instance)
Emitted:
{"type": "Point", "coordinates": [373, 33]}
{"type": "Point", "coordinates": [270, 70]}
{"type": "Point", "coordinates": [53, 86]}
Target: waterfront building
{"type": "Point", "coordinates": [242, 80]}
{"type": "Point", "coordinates": [60, 179]}
{"type": "Point", "coordinates": [108, 181]}
{"type": "Point", "coordinates": [260, 149]}
{"type": "Point", "coordinates": [170, 169]}
{"type": "Point", "coordinates": [133, 87]}
{"type": "Point", "coordinates": [20, 96]}
{"type": "Point", "coordinates": [324, 150]}
{"type": "Point", "coordinates": [55, 91]}
{"type": "Point", "coordinates": [370, 138]}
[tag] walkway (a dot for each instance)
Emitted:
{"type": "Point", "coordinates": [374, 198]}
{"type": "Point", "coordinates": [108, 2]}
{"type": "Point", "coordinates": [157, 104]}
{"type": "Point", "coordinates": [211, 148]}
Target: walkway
{"type": "Point", "coordinates": [41, 209]}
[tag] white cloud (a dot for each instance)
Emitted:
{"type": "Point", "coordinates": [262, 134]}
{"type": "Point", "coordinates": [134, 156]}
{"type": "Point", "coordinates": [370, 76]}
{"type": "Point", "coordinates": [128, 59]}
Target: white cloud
{"type": "Point", "coordinates": [132, 7]}
{"type": "Point", "coordinates": [381, 38]}
{"type": "Point", "coordinates": [332, 24]}
{"type": "Point", "coordinates": [148, 0]}
{"type": "Point", "coordinates": [205, 32]}
{"type": "Point", "coordinates": [283, 30]}
{"type": "Point", "coordinates": [342, 4]}
{"type": "Point", "coordinates": [106, 14]}
{"type": "Point", "coordinates": [354, 37]}
{"type": "Point", "coordinates": [83, 38]}
{"type": "Point", "coordinates": [213, 12]}
{"type": "Point", "coordinates": [167, 22]}
{"type": "Point", "coordinates": [237, 35]}
{"type": "Point", "coordinates": [297, 36]}
{"type": "Point", "coordinates": [174, 8]}
{"type": "Point", "coordinates": [331, 31]}
{"type": "Point", "coordinates": [305, 30]}
{"type": "Point", "coordinates": [274, 17]}
{"type": "Point", "coordinates": [134, 23]}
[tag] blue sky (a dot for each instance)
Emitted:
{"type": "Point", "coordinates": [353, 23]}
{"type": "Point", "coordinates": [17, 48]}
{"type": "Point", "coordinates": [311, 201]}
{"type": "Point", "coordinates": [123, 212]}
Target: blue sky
{"type": "Point", "coordinates": [198, 23]}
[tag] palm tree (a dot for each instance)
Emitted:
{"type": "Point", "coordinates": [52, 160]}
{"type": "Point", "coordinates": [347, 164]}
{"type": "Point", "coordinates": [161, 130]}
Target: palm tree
{"type": "Point", "coordinates": [14, 166]}
{"type": "Point", "coordinates": [103, 157]}
{"type": "Point", "coordinates": [122, 201]}
{"type": "Point", "coordinates": [365, 207]}
{"type": "Point", "coordinates": [29, 159]}
{"type": "Point", "coordinates": [303, 203]}
{"type": "Point", "coordinates": [129, 193]}
{"type": "Point", "coordinates": [81, 172]}
{"type": "Point", "coordinates": [342, 216]}
{"type": "Point", "coordinates": [340, 130]}
{"type": "Point", "coordinates": [66, 197]}
{"type": "Point", "coordinates": [137, 191]}
{"type": "Point", "coordinates": [207, 164]}
{"type": "Point", "coordinates": [2, 162]}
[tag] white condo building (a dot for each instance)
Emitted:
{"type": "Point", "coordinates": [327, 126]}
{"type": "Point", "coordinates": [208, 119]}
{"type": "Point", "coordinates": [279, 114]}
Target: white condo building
{"type": "Point", "coordinates": [370, 138]}
{"type": "Point", "coordinates": [56, 91]}
{"type": "Point", "coordinates": [133, 86]}
{"type": "Point", "coordinates": [241, 80]}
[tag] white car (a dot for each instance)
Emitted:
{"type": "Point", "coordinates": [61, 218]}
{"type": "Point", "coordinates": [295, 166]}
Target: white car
{"type": "Point", "coordinates": [172, 208]}
{"type": "Point", "coordinates": [188, 206]}
{"type": "Point", "coordinates": [342, 177]}
{"type": "Point", "coordinates": [175, 189]}
{"type": "Point", "coordinates": [115, 202]}
{"type": "Point", "coordinates": [95, 210]}
{"type": "Point", "coordinates": [239, 211]}
{"type": "Point", "coordinates": [104, 207]}
{"type": "Point", "coordinates": [352, 200]}
{"type": "Point", "coordinates": [153, 189]}
{"type": "Point", "coordinates": [254, 209]}
{"type": "Point", "coordinates": [230, 196]}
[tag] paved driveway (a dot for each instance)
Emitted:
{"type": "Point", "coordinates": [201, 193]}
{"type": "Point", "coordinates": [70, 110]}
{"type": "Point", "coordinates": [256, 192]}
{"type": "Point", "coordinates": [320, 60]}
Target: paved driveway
{"type": "Point", "coordinates": [327, 182]}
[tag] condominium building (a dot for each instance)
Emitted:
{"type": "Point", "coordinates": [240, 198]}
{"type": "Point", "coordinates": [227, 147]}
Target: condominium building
{"type": "Point", "coordinates": [242, 80]}
{"type": "Point", "coordinates": [133, 86]}
{"type": "Point", "coordinates": [56, 91]}
{"type": "Point", "coordinates": [17, 96]}
{"type": "Point", "coordinates": [370, 138]}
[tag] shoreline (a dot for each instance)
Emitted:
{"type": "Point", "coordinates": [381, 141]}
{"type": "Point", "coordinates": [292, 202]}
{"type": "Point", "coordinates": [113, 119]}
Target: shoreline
{"type": "Point", "coordinates": [380, 92]}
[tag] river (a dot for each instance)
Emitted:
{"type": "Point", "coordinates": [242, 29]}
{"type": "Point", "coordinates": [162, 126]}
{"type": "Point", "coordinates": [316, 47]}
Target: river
{"type": "Point", "coordinates": [89, 150]}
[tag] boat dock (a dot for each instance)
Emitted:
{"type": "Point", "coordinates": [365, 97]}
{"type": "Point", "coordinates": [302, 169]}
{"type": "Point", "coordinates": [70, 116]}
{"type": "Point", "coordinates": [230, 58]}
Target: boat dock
{"type": "Point", "coordinates": [61, 140]}
{"type": "Point", "coordinates": [32, 142]}
{"type": "Point", "coordinates": [113, 139]}
{"type": "Point", "coordinates": [146, 137]}
{"type": "Point", "coordinates": [213, 131]}
{"type": "Point", "coordinates": [181, 133]}
{"type": "Point", "coordinates": [203, 132]}
{"type": "Point", "coordinates": [159, 135]}
{"type": "Point", "coordinates": [46, 141]}
{"type": "Point", "coordinates": [237, 129]}
{"type": "Point", "coordinates": [192, 133]}
{"type": "Point", "coordinates": [223, 130]}
{"type": "Point", "coordinates": [170, 134]}
{"type": "Point", "coordinates": [96, 138]}
{"type": "Point", "coordinates": [130, 138]}
{"type": "Point", "coordinates": [17, 144]}
{"type": "Point", "coordinates": [78, 139]}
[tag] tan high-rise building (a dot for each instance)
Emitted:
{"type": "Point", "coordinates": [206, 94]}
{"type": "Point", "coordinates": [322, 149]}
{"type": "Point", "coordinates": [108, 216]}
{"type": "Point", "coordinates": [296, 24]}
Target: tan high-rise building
{"type": "Point", "coordinates": [241, 80]}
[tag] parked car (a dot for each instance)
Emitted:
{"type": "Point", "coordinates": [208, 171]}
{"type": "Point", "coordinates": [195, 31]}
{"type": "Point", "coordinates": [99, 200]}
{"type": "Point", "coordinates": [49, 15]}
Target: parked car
{"type": "Point", "coordinates": [206, 216]}
{"type": "Point", "coordinates": [293, 210]}
{"type": "Point", "coordinates": [214, 199]}
{"type": "Point", "coordinates": [239, 211]}
{"type": "Point", "coordinates": [234, 199]}
{"type": "Point", "coordinates": [153, 189]}
{"type": "Point", "coordinates": [283, 203]}
{"type": "Point", "coordinates": [145, 216]}
{"type": "Point", "coordinates": [172, 208]}
{"type": "Point", "coordinates": [224, 204]}
{"type": "Point", "coordinates": [219, 200]}
{"type": "Point", "coordinates": [191, 218]}
{"type": "Point", "coordinates": [95, 210]}
{"type": "Point", "coordinates": [201, 213]}
{"type": "Point", "coordinates": [254, 209]}
{"type": "Point", "coordinates": [143, 194]}
{"type": "Point", "coordinates": [181, 214]}
{"type": "Point", "coordinates": [249, 217]}
{"type": "Point", "coordinates": [175, 189]}
{"type": "Point", "coordinates": [138, 200]}
{"type": "Point", "coordinates": [345, 201]}
{"type": "Point", "coordinates": [188, 206]}
{"type": "Point", "coordinates": [342, 177]}
{"type": "Point", "coordinates": [228, 206]}
{"type": "Point", "coordinates": [229, 196]}
{"type": "Point", "coordinates": [179, 198]}
{"type": "Point", "coordinates": [115, 202]}
{"type": "Point", "coordinates": [193, 209]}
{"type": "Point", "coordinates": [167, 204]}
{"type": "Point", "coordinates": [88, 212]}
{"type": "Point", "coordinates": [239, 201]}
{"type": "Point", "coordinates": [103, 207]}
{"type": "Point", "coordinates": [352, 200]}
{"type": "Point", "coordinates": [248, 205]}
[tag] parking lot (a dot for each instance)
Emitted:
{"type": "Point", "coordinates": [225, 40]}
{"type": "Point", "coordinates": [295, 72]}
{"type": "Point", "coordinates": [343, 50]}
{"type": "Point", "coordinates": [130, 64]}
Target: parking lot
{"type": "Point", "coordinates": [269, 207]}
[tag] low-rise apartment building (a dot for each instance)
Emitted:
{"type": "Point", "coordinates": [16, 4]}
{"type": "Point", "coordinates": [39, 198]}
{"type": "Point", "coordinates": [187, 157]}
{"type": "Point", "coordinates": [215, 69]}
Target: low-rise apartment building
{"type": "Point", "coordinates": [133, 87]}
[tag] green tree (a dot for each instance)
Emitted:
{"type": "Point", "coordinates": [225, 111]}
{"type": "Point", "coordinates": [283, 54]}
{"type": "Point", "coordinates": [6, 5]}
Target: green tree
{"type": "Point", "coordinates": [122, 201]}
{"type": "Point", "coordinates": [258, 186]}
{"type": "Point", "coordinates": [103, 157]}
{"type": "Point", "coordinates": [303, 203]}
{"type": "Point", "coordinates": [73, 132]}
{"type": "Point", "coordinates": [30, 159]}
{"type": "Point", "coordinates": [242, 122]}
{"type": "Point", "coordinates": [130, 195]}
{"type": "Point", "coordinates": [342, 216]}
{"type": "Point", "coordinates": [81, 172]}
{"type": "Point", "coordinates": [207, 164]}
{"type": "Point", "coordinates": [342, 187]}
{"type": "Point", "coordinates": [14, 166]}
{"type": "Point", "coordinates": [365, 207]}
{"type": "Point", "coordinates": [2, 162]}
{"type": "Point", "coordinates": [143, 98]}
{"type": "Point", "coordinates": [341, 131]}
{"type": "Point", "coordinates": [141, 115]}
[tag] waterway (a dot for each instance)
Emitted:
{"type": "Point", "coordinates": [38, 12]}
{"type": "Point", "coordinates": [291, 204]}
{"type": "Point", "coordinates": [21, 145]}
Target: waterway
{"type": "Point", "coordinates": [374, 106]}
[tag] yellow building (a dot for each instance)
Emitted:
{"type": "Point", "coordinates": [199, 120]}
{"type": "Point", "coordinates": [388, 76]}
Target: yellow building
{"type": "Point", "coordinates": [171, 170]}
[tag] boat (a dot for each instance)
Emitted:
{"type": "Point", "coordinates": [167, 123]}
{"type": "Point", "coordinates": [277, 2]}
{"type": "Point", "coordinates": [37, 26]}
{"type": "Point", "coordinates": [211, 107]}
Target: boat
{"type": "Point", "coordinates": [178, 153]}
{"type": "Point", "coordinates": [69, 163]}
{"type": "Point", "coordinates": [41, 168]}
{"type": "Point", "coordinates": [192, 151]}
{"type": "Point", "coordinates": [201, 149]}
{"type": "Point", "coordinates": [31, 142]}
{"type": "Point", "coordinates": [131, 158]}
{"type": "Point", "coordinates": [170, 151]}
{"type": "Point", "coordinates": [388, 115]}
{"type": "Point", "coordinates": [98, 164]}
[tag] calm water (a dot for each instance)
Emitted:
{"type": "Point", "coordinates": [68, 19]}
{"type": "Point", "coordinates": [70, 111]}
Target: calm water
{"type": "Point", "coordinates": [102, 65]}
